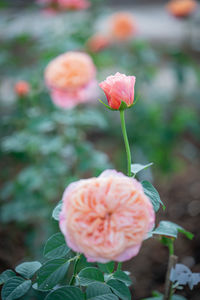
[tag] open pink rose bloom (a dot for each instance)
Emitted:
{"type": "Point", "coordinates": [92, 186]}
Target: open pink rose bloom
{"type": "Point", "coordinates": [71, 79]}
{"type": "Point", "coordinates": [118, 88]}
{"type": "Point", "coordinates": [107, 217]}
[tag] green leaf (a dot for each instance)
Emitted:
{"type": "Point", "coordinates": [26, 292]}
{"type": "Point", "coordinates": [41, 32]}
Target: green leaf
{"type": "Point", "coordinates": [153, 195]}
{"type": "Point", "coordinates": [56, 246]}
{"type": "Point", "coordinates": [178, 297]}
{"type": "Point", "coordinates": [171, 229]}
{"type": "Point", "coordinates": [51, 273]}
{"type": "Point", "coordinates": [107, 268]}
{"type": "Point", "coordinates": [83, 263]}
{"type": "Point", "coordinates": [154, 298]}
{"type": "Point", "coordinates": [39, 290]}
{"type": "Point", "coordinates": [28, 269]}
{"type": "Point", "coordinates": [15, 288]}
{"type": "Point", "coordinates": [120, 289]}
{"type": "Point", "coordinates": [156, 294]}
{"type": "Point", "coordinates": [105, 297]}
{"type": "Point", "coordinates": [122, 276]}
{"type": "Point", "coordinates": [188, 234]}
{"type": "Point", "coordinates": [56, 211]}
{"type": "Point", "coordinates": [66, 293]}
{"type": "Point", "coordinates": [136, 168]}
{"type": "Point", "coordinates": [123, 106]}
{"type": "Point", "coordinates": [6, 275]}
{"type": "Point", "coordinates": [90, 275]}
{"type": "Point", "coordinates": [97, 289]}
{"type": "Point", "coordinates": [107, 106]}
{"type": "Point", "coordinates": [137, 97]}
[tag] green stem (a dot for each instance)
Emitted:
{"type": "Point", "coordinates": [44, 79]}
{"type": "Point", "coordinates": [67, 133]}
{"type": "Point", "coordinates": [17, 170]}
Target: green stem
{"type": "Point", "coordinates": [171, 248]}
{"type": "Point", "coordinates": [119, 266]}
{"type": "Point", "coordinates": [128, 152]}
{"type": "Point", "coordinates": [74, 272]}
{"type": "Point", "coordinates": [171, 263]}
{"type": "Point", "coordinates": [171, 293]}
{"type": "Point", "coordinates": [171, 252]}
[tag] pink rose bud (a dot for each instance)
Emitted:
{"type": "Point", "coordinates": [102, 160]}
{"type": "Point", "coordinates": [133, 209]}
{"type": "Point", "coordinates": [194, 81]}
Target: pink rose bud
{"type": "Point", "coordinates": [22, 88]}
{"type": "Point", "coordinates": [98, 42]}
{"type": "Point", "coordinates": [119, 88]}
{"type": "Point", "coordinates": [181, 8]}
{"type": "Point", "coordinates": [122, 26]}
{"type": "Point", "coordinates": [107, 217]}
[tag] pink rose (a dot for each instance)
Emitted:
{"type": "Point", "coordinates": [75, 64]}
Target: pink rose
{"type": "Point", "coordinates": [69, 98]}
{"type": "Point", "coordinates": [70, 78]}
{"type": "Point", "coordinates": [106, 218]}
{"type": "Point", "coordinates": [119, 88]}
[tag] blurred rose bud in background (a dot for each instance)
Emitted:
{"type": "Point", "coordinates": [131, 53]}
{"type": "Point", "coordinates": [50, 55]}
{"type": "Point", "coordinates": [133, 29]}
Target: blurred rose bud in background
{"type": "Point", "coordinates": [98, 42]}
{"type": "Point", "coordinates": [181, 8]}
{"type": "Point", "coordinates": [22, 88]}
{"type": "Point", "coordinates": [74, 4]}
{"type": "Point", "coordinates": [65, 4]}
{"type": "Point", "coordinates": [122, 26]}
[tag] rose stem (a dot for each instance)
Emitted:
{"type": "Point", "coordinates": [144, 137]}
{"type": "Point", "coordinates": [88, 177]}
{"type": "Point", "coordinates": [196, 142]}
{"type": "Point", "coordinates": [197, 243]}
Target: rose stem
{"type": "Point", "coordinates": [74, 272]}
{"type": "Point", "coordinates": [126, 142]}
{"type": "Point", "coordinates": [172, 262]}
{"type": "Point", "coordinates": [128, 154]}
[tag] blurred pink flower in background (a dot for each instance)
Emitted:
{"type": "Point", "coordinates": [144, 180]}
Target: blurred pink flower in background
{"type": "Point", "coordinates": [69, 99]}
{"type": "Point", "coordinates": [106, 218]}
{"type": "Point", "coordinates": [71, 79]}
{"type": "Point", "coordinates": [65, 4]}
{"type": "Point", "coordinates": [97, 42]}
{"type": "Point", "coordinates": [74, 4]}
{"type": "Point", "coordinates": [49, 11]}
{"type": "Point", "coordinates": [181, 8]}
{"type": "Point", "coordinates": [121, 26]}
{"type": "Point", "coordinates": [119, 88]}
{"type": "Point", "coordinates": [22, 88]}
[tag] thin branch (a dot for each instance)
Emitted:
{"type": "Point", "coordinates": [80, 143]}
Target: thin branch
{"type": "Point", "coordinates": [168, 284]}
